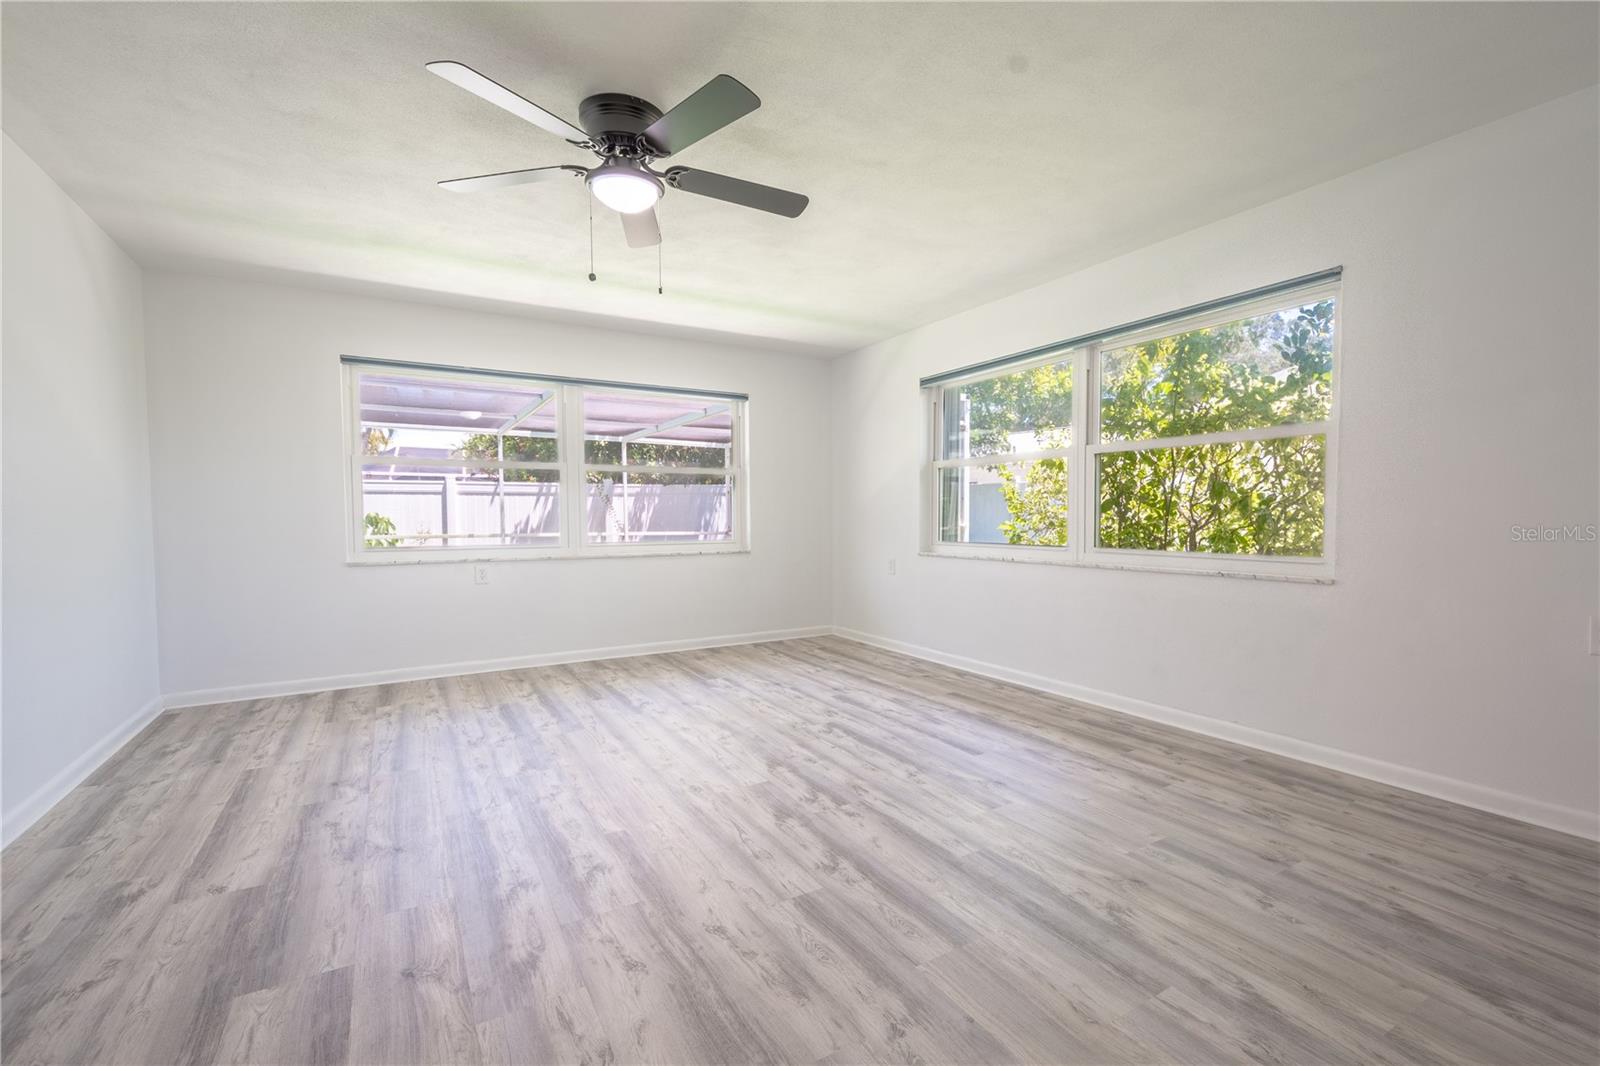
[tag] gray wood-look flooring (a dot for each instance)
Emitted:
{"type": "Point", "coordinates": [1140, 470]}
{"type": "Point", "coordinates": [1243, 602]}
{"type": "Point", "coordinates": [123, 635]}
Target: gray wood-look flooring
{"type": "Point", "coordinates": [810, 851]}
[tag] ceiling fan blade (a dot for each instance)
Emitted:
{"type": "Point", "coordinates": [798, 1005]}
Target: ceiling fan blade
{"type": "Point", "coordinates": [498, 95]}
{"type": "Point", "coordinates": [642, 229]}
{"type": "Point", "coordinates": [737, 191]}
{"type": "Point", "coordinates": [706, 110]}
{"type": "Point", "coordinates": [509, 177]}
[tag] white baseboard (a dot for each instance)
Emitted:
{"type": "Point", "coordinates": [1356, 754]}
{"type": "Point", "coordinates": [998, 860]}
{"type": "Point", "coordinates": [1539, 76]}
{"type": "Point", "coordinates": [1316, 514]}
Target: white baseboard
{"type": "Point", "coordinates": [47, 795]}
{"type": "Point", "coordinates": [1571, 820]}
{"type": "Point", "coordinates": [269, 689]}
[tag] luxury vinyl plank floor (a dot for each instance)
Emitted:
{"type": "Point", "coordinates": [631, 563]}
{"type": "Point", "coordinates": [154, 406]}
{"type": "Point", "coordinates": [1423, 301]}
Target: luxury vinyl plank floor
{"type": "Point", "coordinates": [810, 851]}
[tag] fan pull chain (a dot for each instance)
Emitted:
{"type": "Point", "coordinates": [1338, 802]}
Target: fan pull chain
{"type": "Point", "coordinates": [591, 233]}
{"type": "Point", "coordinates": [658, 267]}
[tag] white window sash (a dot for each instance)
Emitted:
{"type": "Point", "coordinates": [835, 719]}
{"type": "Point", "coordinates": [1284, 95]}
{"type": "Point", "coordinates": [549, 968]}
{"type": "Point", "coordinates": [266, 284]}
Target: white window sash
{"type": "Point", "coordinates": [433, 463]}
{"type": "Point", "coordinates": [1002, 458]}
{"type": "Point", "coordinates": [643, 468]}
{"type": "Point", "coordinates": [1235, 436]}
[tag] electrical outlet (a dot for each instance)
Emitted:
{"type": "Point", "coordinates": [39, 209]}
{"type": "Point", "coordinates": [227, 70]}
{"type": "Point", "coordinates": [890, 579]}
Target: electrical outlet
{"type": "Point", "coordinates": [891, 568]}
{"type": "Point", "coordinates": [480, 573]}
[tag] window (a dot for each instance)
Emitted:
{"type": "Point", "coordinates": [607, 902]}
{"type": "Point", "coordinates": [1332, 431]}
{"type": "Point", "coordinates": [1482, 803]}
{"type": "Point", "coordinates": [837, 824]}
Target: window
{"type": "Point", "coordinates": [1206, 443]}
{"type": "Point", "coordinates": [658, 469]}
{"type": "Point", "coordinates": [467, 464]}
{"type": "Point", "coordinates": [1005, 450]}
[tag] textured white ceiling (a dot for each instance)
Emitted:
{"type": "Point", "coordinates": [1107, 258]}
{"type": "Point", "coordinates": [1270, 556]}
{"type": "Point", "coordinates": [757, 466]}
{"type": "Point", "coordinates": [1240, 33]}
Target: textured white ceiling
{"type": "Point", "coordinates": [952, 152]}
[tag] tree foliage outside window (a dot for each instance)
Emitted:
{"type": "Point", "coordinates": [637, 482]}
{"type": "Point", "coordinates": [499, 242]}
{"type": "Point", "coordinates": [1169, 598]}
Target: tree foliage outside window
{"type": "Point", "coordinates": [1253, 497]}
{"type": "Point", "coordinates": [645, 453]}
{"type": "Point", "coordinates": [607, 452]}
{"type": "Point", "coordinates": [1240, 498]}
{"type": "Point", "coordinates": [381, 531]}
{"type": "Point", "coordinates": [375, 440]}
{"type": "Point", "coordinates": [1037, 503]}
{"type": "Point", "coordinates": [1244, 498]}
{"type": "Point", "coordinates": [518, 448]}
{"type": "Point", "coordinates": [1026, 411]}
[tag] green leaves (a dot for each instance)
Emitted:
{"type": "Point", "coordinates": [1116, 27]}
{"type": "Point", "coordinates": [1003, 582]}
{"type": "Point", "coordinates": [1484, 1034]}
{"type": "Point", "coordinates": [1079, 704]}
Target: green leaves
{"type": "Point", "coordinates": [1242, 498]}
{"type": "Point", "coordinates": [381, 531]}
{"type": "Point", "coordinates": [1037, 501]}
{"type": "Point", "coordinates": [1271, 370]}
{"type": "Point", "coordinates": [517, 448]}
{"type": "Point", "coordinates": [1004, 412]}
{"type": "Point", "coordinates": [1261, 497]}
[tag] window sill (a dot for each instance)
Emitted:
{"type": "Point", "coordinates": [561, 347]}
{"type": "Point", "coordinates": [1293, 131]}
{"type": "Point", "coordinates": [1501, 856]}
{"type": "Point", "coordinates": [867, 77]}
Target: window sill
{"type": "Point", "coordinates": [1308, 574]}
{"type": "Point", "coordinates": [404, 558]}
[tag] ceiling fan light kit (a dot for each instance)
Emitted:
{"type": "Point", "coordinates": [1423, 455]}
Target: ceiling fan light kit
{"type": "Point", "coordinates": [628, 134]}
{"type": "Point", "coordinates": [625, 186]}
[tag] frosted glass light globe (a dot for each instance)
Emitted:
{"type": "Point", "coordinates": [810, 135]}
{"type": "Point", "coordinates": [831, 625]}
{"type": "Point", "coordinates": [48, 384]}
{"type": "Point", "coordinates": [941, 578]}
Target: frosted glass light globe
{"type": "Point", "coordinates": [625, 189]}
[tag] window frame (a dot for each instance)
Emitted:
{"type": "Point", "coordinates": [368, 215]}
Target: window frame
{"type": "Point", "coordinates": [1082, 547]}
{"type": "Point", "coordinates": [570, 467]}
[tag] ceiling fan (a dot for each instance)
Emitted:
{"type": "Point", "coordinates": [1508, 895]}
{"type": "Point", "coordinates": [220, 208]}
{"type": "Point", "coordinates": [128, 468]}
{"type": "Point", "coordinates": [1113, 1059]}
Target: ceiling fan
{"type": "Point", "coordinates": [628, 134]}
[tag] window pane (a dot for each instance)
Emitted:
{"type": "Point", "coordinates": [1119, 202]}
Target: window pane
{"type": "Point", "coordinates": [659, 508]}
{"type": "Point", "coordinates": [1271, 370]}
{"type": "Point", "coordinates": [513, 446]}
{"type": "Point", "coordinates": [532, 510]}
{"type": "Point", "coordinates": [406, 442]}
{"type": "Point", "coordinates": [410, 442]}
{"type": "Point", "coordinates": [1244, 498]}
{"type": "Point", "coordinates": [660, 451]}
{"type": "Point", "coordinates": [453, 508]}
{"type": "Point", "coordinates": [655, 430]}
{"type": "Point", "coordinates": [441, 418]}
{"type": "Point", "coordinates": [1028, 411]}
{"type": "Point", "coordinates": [1008, 503]}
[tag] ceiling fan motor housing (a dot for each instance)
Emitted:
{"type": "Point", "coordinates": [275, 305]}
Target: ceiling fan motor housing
{"type": "Point", "coordinates": [615, 121]}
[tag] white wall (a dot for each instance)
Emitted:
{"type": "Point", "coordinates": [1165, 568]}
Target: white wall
{"type": "Point", "coordinates": [1445, 655]}
{"type": "Point", "coordinates": [246, 414]}
{"type": "Point", "coordinates": [79, 596]}
{"type": "Point", "coordinates": [1469, 403]}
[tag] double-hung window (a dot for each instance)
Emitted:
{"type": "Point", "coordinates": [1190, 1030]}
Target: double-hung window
{"type": "Point", "coordinates": [464, 464]}
{"type": "Point", "coordinates": [1005, 456]}
{"type": "Point", "coordinates": [1202, 440]}
{"type": "Point", "coordinates": [658, 468]}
